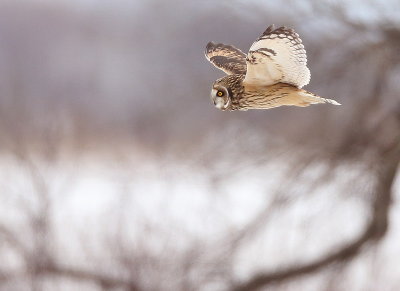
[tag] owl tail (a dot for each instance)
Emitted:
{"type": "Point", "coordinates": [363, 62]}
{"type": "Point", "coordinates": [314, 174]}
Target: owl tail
{"type": "Point", "coordinates": [308, 98]}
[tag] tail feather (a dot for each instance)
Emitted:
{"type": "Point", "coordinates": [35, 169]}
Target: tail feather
{"type": "Point", "coordinates": [310, 98]}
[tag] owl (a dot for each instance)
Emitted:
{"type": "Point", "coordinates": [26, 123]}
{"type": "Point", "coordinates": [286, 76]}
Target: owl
{"type": "Point", "coordinates": [270, 75]}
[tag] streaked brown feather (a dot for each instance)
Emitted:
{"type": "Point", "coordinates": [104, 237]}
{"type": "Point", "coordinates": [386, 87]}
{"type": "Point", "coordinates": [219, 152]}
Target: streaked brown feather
{"type": "Point", "coordinates": [229, 59]}
{"type": "Point", "coordinates": [277, 95]}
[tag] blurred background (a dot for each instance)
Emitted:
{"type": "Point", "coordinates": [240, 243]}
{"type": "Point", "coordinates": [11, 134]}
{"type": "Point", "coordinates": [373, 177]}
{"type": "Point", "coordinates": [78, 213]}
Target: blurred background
{"type": "Point", "coordinates": [117, 172]}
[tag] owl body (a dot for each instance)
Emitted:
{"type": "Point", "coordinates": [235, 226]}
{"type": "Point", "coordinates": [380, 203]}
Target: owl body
{"type": "Point", "coordinates": [242, 96]}
{"type": "Point", "coordinates": [270, 75]}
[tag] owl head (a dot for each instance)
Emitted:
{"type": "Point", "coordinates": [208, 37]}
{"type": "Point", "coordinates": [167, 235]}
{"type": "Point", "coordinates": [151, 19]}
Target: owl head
{"type": "Point", "coordinates": [226, 89]}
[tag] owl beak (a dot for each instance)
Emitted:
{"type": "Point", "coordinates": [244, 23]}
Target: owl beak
{"type": "Point", "coordinates": [219, 103]}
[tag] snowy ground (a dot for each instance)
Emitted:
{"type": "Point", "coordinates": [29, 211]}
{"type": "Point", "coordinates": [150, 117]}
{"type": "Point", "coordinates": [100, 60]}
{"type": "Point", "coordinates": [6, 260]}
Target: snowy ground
{"type": "Point", "coordinates": [93, 198]}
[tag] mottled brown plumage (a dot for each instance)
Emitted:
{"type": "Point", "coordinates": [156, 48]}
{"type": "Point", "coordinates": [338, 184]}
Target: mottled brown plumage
{"type": "Point", "coordinates": [226, 57]}
{"type": "Point", "coordinates": [271, 75]}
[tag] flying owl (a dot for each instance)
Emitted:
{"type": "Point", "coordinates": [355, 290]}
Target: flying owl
{"type": "Point", "coordinates": [270, 75]}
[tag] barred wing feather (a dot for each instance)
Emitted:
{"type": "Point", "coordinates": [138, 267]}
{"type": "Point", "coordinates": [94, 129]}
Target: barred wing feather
{"type": "Point", "coordinates": [277, 56]}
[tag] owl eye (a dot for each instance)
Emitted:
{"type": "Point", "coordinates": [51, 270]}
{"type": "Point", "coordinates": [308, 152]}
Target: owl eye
{"type": "Point", "coordinates": [220, 93]}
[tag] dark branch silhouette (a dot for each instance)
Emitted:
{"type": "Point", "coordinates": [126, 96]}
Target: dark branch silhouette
{"type": "Point", "coordinates": [374, 231]}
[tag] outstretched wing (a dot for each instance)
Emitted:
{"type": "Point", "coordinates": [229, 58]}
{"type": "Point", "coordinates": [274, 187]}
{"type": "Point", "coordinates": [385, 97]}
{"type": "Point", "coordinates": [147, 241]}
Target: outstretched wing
{"type": "Point", "coordinates": [278, 55]}
{"type": "Point", "coordinates": [226, 57]}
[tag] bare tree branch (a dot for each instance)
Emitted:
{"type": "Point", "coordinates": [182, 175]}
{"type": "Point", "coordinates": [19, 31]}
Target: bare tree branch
{"type": "Point", "coordinates": [375, 230]}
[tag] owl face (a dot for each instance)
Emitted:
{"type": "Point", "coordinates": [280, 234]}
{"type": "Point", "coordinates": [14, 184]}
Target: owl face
{"type": "Point", "coordinates": [226, 91]}
{"type": "Point", "coordinates": [221, 97]}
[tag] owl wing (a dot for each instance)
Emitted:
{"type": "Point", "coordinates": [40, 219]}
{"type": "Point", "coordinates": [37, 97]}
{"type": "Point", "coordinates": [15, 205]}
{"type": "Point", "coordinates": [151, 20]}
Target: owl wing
{"type": "Point", "coordinates": [278, 55]}
{"type": "Point", "coordinates": [226, 57]}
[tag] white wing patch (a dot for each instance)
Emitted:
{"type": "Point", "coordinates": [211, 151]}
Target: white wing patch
{"type": "Point", "coordinates": [278, 55]}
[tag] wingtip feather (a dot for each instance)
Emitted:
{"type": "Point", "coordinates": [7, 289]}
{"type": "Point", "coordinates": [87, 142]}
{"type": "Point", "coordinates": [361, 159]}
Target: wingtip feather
{"type": "Point", "coordinates": [207, 49]}
{"type": "Point", "coordinates": [209, 45]}
{"type": "Point", "coordinates": [334, 102]}
{"type": "Point", "coordinates": [269, 29]}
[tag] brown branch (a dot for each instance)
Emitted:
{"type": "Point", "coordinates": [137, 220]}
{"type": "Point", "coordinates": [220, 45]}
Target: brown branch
{"type": "Point", "coordinates": [102, 279]}
{"type": "Point", "coordinates": [375, 230]}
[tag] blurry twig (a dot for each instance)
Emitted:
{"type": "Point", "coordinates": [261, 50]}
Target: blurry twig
{"type": "Point", "coordinates": [103, 279]}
